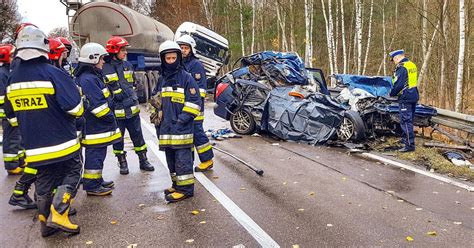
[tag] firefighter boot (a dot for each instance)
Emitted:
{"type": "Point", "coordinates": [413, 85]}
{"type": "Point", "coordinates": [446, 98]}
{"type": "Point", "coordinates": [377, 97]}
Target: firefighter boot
{"type": "Point", "coordinates": [122, 159]}
{"type": "Point", "coordinates": [44, 204]}
{"type": "Point", "coordinates": [14, 172]}
{"type": "Point", "coordinates": [144, 164]}
{"type": "Point", "coordinates": [108, 184]}
{"type": "Point", "coordinates": [171, 190]}
{"type": "Point", "coordinates": [175, 197]}
{"type": "Point", "coordinates": [59, 216]}
{"type": "Point", "coordinates": [21, 198]}
{"type": "Point", "coordinates": [204, 166]}
{"type": "Point", "coordinates": [100, 191]}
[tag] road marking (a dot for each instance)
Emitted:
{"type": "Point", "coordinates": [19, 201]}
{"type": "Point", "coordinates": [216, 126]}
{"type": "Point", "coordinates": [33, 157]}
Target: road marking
{"type": "Point", "coordinates": [252, 228]}
{"type": "Point", "coordinates": [423, 172]}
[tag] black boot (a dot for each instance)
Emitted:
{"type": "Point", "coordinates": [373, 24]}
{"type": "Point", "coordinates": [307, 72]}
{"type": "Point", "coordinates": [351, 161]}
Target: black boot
{"type": "Point", "coordinates": [144, 164]}
{"type": "Point", "coordinates": [108, 184]}
{"type": "Point", "coordinates": [122, 159]}
{"type": "Point", "coordinates": [100, 191]}
{"type": "Point", "coordinates": [21, 198]}
{"type": "Point", "coordinates": [59, 216]}
{"type": "Point", "coordinates": [44, 204]}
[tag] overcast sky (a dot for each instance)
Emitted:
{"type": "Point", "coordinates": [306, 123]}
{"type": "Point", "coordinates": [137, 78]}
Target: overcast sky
{"type": "Point", "coordinates": [46, 14]}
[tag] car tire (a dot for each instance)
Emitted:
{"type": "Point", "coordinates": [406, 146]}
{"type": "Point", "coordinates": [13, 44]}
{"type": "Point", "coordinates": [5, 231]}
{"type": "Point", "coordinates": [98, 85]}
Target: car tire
{"type": "Point", "coordinates": [242, 122]}
{"type": "Point", "coordinates": [352, 127]}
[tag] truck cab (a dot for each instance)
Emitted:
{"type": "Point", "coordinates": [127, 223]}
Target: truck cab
{"type": "Point", "coordinates": [212, 49]}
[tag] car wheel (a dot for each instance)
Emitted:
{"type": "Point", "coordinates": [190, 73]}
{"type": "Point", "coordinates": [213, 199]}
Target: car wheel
{"type": "Point", "coordinates": [352, 127]}
{"type": "Point", "coordinates": [242, 122]}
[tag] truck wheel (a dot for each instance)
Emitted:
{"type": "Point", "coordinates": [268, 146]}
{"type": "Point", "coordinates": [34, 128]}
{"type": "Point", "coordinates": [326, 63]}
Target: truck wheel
{"type": "Point", "coordinates": [352, 127]}
{"type": "Point", "coordinates": [242, 122]}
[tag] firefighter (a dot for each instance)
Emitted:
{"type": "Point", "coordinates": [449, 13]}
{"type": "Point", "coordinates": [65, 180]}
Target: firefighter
{"type": "Point", "coordinates": [65, 64]}
{"type": "Point", "coordinates": [101, 128]}
{"type": "Point", "coordinates": [194, 66]}
{"type": "Point", "coordinates": [13, 156]}
{"type": "Point", "coordinates": [404, 85]}
{"type": "Point", "coordinates": [119, 79]}
{"type": "Point", "coordinates": [46, 102]}
{"type": "Point", "coordinates": [180, 104]}
{"type": "Point", "coordinates": [57, 51]}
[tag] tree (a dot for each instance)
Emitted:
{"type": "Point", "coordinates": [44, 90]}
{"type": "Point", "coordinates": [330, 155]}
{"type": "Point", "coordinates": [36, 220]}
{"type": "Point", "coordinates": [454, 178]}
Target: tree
{"type": "Point", "coordinates": [59, 32]}
{"type": "Point", "coordinates": [9, 19]}
{"type": "Point", "coordinates": [462, 44]}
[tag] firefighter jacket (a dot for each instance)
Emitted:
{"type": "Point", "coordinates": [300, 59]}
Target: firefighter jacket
{"type": "Point", "coordinates": [180, 105]}
{"type": "Point", "coordinates": [404, 82]}
{"type": "Point", "coordinates": [4, 74]}
{"type": "Point", "coordinates": [195, 68]}
{"type": "Point", "coordinates": [100, 126]}
{"type": "Point", "coordinates": [120, 81]}
{"type": "Point", "coordinates": [46, 102]}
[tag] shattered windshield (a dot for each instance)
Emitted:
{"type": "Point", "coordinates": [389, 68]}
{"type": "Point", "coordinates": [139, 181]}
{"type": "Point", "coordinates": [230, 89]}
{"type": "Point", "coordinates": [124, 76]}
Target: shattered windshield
{"type": "Point", "coordinates": [209, 49]}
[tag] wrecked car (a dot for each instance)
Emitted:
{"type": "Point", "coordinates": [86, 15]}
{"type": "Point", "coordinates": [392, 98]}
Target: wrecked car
{"type": "Point", "coordinates": [373, 112]}
{"type": "Point", "coordinates": [259, 96]}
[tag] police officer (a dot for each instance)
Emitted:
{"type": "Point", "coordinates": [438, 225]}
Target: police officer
{"type": "Point", "coordinates": [45, 101]}
{"type": "Point", "coordinates": [12, 151]}
{"type": "Point", "coordinates": [193, 66]}
{"type": "Point", "coordinates": [101, 128]}
{"type": "Point", "coordinates": [120, 81]}
{"type": "Point", "coordinates": [180, 103]}
{"type": "Point", "coordinates": [404, 85]}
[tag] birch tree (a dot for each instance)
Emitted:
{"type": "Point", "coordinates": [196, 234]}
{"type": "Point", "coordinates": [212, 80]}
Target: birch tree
{"type": "Point", "coordinates": [343, 34]}
{"type": "Point", "coordinates": [358, 36]}
{"type": "Point", "coordinates": [462, 44]}
{"type": "Point", "coordinates": [242, 28]}
{"type": "Point", "coordinates": [253, 27]}
{"type": "Point", "coordinates": [368, 36]}
{"type": "Point", "coordinates": [292, 29]}
{"type": "Point", "coordinates": [444, 43]}
{"type": "Point", "coordinates": [331, 37]}
{"type": "Point", "coordinates": [308, 53]}
{"type": "Point", "coordinates": [281, 21]}
{"type": "Point", "coordinates": [424, 27]}
{"type": "Point", "coordinates": [328, 39]}
{"type": "Point", "coordinates": [205, 4]}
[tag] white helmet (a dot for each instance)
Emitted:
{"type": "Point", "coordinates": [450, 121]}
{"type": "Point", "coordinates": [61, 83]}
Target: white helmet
{"type": "Point", "coordinates": [187, 40]}
{"type": "Point", "coordinates": [169, 46]}
{"type": "Point", "coordinates": [31, 37]}
{"type": "Point", "coordinates": [90, 53]}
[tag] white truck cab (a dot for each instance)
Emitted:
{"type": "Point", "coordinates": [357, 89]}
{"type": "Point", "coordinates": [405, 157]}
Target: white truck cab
{"type": "Point", "coordinates": [212, 49]}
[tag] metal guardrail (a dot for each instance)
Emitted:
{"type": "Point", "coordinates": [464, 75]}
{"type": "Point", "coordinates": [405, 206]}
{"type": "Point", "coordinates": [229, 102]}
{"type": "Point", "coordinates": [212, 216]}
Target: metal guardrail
{"type": "Point", "coordinates": [454, 120]}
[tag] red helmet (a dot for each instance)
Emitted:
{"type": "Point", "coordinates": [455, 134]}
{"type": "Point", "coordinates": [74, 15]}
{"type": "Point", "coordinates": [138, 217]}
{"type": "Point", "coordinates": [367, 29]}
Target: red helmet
{"type": "Point", "coordinates": [5, 53]}
{"type": "Point", "coordinates": [56, 48]}
{"type": "Point", "coordinates": [115, 43]}
{"type": "Point", "coordinates": [21, 27]}
{"type": "Point", "coordinates": [67, 44]}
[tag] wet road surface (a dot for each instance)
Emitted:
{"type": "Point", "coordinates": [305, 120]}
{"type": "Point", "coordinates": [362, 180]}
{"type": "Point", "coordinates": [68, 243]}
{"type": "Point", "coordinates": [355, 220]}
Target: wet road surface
{"type": "Point", "coordinates": [310, 196]}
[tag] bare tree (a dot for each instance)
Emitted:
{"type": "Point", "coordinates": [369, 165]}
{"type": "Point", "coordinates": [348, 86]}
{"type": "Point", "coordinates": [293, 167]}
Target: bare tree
{"type": "Point", "coordinates": [281, 21]}
{"type": "Point", "coordinates": [59, 32]}
{"type": "Point", "coordinates": [307, 13]}
{"type": "Point", "coordinates": [292, 29]}
{"type": "Point", "coordinates": [208, 12]}
{"type": "Point", "coordinates": [343, 33]}
{"type": "Point", "coordinates": [368, 36]}
{"type": "Point", "coordinates": [253, 27]}
{"type": "Point", "coordinates": [358, 36]}
{"type": "Point", "coordinates": [444, 44]}
{"type": "Point", "coordinates": [242, 28]}
{"type": "Point", "coordinates": [9, 19]}
{"type": "Point", "coordinates": [424, 27]}
{"type": "Point", "coordinates": [462, 46]}
{"type": "Point", "coordinates": [331, 37]}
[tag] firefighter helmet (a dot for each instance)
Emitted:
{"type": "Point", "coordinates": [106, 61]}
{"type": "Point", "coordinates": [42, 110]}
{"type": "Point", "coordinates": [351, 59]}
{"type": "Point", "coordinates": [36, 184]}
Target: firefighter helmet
{"type": "Point", "coordinates": [91, 52]}
{"type": "Point", "coordinates": [56, 48]}
{"type": "Point", "coordinates": [31, 37]}
{"type": "Point", "coordinates": [115, 43]}
{"type": "Point", "coordinates": [21, 26]}
{"type": "Point", "coordinates": [6, 51]}
{"type": "Point", "coordinates": [187, 40]}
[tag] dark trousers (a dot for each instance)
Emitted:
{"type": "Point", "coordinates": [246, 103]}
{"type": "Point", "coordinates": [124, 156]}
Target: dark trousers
{"type": "Point", "coordinates": [12, 149]}
{"type": "Point", "coordinates": [94, 164]}
{"type": "Point", "coordinates": [407, 114]}
{"type": "Point", "coordinates": [50, 176]}
{"type": "Point", "coordinates": [201, 142]}
{"type": "Point", "coordinates": [180, 163]}
{"type": "Point", "coordinates": [134, 128]}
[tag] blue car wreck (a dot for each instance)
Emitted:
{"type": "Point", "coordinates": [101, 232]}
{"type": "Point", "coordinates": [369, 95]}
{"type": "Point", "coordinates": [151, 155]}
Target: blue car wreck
{"type": "Point", "coordinates": [275, 93]}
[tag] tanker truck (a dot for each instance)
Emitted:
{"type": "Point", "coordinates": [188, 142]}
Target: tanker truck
{"type": "Point", "coordinates": [97, 21]}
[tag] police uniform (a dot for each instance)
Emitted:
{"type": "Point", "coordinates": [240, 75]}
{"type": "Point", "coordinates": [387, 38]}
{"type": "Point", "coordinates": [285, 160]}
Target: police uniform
{"type": "Point", "coordinates": [404, 85]}
{"type": "Point", "coordinates": [101, 128]}
{"type": "Point", "coordinates": [120, 81]}
{"type": "Point", "coordinates": [201, 142]}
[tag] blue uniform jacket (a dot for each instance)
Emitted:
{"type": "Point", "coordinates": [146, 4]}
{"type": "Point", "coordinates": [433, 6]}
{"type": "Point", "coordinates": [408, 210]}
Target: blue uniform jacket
{"type": "Point", "coordinates": [120, 81]}
{"type": "Point", "coordinates": [400, 86]}
{"type": "Point", "coordinates": [4, 74]}
{"type": "Point", "coordinates": [197, 71]}
{"type": "Point", "coordinates": [100, 125]}
{"type": "Point", "coordinates": [45, 101]}
{"type": "Point", "coordinates": [180, 105]}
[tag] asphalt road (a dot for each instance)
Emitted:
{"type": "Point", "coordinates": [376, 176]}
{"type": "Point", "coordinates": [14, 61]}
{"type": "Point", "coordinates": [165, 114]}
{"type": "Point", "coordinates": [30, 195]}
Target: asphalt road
{"type": "Point", "coordinates": [308, 196]}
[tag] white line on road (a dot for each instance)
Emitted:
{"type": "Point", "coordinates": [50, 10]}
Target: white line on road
{"type": "Point", "coordinates": [252, 228]}
{"type": "Point", "coordinates": [425, 173]}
